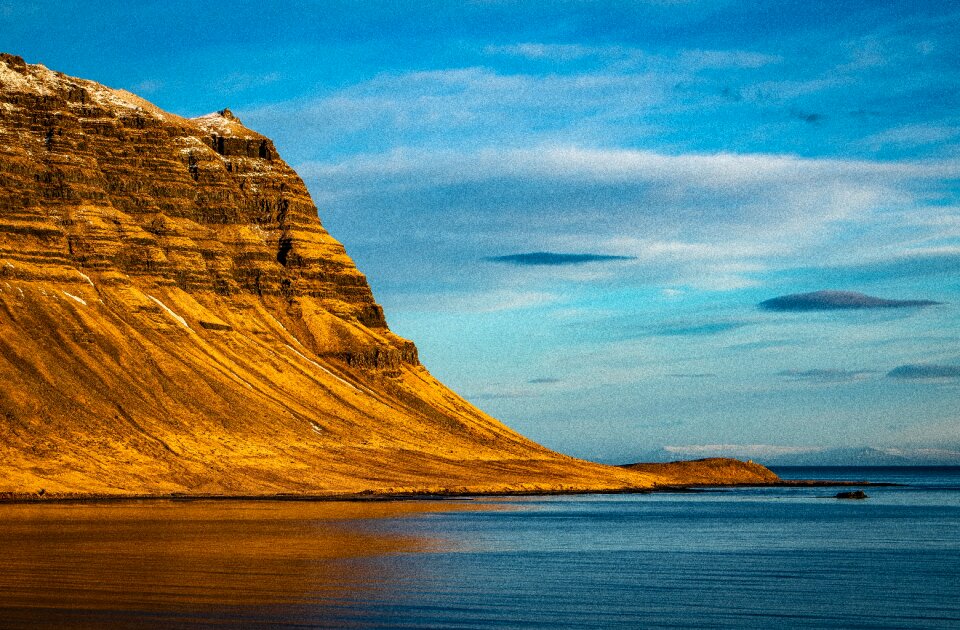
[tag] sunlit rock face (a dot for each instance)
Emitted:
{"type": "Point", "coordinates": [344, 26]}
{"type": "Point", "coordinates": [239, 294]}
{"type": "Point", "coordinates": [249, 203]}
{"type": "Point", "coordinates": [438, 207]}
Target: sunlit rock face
{"type": "Point", "coordinates": [175, 319]}
{"type": "Point", "coordinates": [101, 181]}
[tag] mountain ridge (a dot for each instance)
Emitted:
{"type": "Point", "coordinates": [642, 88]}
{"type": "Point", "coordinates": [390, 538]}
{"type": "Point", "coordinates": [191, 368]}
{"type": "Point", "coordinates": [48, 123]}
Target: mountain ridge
{"type": "Point", "coordinates": [174, 319]}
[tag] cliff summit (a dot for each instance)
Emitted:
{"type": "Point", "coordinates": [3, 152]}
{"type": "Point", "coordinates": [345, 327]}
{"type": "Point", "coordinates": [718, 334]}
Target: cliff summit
{"type": "Point", "coordinates": [175, 319]}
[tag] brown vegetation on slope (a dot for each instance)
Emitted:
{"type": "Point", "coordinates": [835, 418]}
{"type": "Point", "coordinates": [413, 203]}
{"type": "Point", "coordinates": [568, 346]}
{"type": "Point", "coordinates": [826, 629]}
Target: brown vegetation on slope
{"type": "Point", "coordinates": [719, 471]}
{"type": "Point", "coordinates": [175, 319]}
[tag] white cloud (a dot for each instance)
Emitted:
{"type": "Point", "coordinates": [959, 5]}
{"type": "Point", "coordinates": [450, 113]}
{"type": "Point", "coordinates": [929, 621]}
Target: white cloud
{"type": "Point", "coordinates": [912, 136]}
{"type": "Point", "coordinates": [646, 249]}
{"type": "Point", "coordinates": [480, 301]}
{"type": "Point", "coordinates": [446, 107]}
{"type": "Point", "coordinates": [727, 59]}
{"type": "Point", "coordinates": [473, 162]}
{"type": "Point", "coordinates": [148, 86]}
{"type": "Point", "coordinates": [787, 90]}
{"type": "Point", "coordinates": [641, 203]}
{"type": "Point", "coordinates": [560, 52]}
{"type": "Point", "coordinates": [720, 171]}
{"type": "Point", "coordinates": [240, 81]}
{"type": "Point", "coordinates": [707, 220]}
{"type": "Point", "coordinates": [686, 59]}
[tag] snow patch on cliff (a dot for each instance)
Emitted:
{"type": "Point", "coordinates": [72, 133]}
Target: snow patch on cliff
{"type": "Point", "coordinates": [170, 312]}
{"type": "Point", "coordinates": [74, 297]}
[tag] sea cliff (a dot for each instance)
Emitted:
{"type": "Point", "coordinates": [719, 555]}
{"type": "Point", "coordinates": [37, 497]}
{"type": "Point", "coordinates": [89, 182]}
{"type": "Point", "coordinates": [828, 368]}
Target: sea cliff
{"type": "Point", "coordinates": [175, 320]}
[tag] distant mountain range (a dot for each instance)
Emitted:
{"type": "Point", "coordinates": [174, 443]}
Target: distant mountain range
{"type": "Point", "coordinates": [869, 456]}
{"type": "Point", "coordinates": [841, 456]}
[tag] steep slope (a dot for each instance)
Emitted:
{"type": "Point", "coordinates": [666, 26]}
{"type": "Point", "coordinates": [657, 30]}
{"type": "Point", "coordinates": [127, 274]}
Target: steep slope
{"type": "Point", "coordinates": [175, 319]}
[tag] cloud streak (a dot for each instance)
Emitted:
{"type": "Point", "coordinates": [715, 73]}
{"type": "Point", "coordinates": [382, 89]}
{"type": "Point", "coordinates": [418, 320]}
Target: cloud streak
{"type": "Point", "coordinates": [690, 59]}
{"type": "Point", "coordinates": [836, 300]}
{"type": "Point", "coordinates": [555, 259]}
{"type": "Point", "coordinates": [918, 264]}
{"type": "Point", "coordinates": [827, 375]}
{"type": "Point", "coordinates": [712, 220]}
{"type": "Point", "coordinates": [696, 329]}
{"type": "Point", "coordinates": [925, 372]}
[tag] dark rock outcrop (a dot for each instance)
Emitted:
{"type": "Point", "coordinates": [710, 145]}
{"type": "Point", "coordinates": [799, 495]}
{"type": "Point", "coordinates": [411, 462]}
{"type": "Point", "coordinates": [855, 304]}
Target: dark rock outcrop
{"type": "Point", "coordinates": [854, 494]}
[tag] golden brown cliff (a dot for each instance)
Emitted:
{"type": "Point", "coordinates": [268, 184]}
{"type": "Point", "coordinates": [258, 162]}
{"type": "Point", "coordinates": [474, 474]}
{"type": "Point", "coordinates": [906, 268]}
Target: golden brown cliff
{"type": "Point", "coordinates": [175, 319]}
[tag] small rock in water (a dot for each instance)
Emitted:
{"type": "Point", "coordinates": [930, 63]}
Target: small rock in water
{"type": "Point", "coordinates": [856, 494]}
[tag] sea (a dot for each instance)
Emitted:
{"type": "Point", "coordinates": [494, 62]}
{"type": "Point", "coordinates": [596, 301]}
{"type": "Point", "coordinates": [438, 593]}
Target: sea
{"type": "Point", "coordinates": [772, 557]}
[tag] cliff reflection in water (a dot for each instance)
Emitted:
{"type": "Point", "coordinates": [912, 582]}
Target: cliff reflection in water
{"type": "Point", "coordinates": [170, 563]}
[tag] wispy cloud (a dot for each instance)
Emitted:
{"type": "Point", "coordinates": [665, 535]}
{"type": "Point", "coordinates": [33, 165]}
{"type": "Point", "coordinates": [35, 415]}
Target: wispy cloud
{"type": "Point", "coordinates": [912, 136]}
{"type": "Point", "coordinates": [695, 329]}
{"type": "Point", "coordinates": [147, 86]}
{"type": "Point", "coordinates": [728, 59]}
{"type": "Point", "coordinates": [739, 450]}
{"type": "Point", "coordinates": [925, 372]}
{"type": "Point", "coordinates": [555, 259]}
{"type": "Point", "coordinates": [625, 327]}
{"type": "Point", "coordinates": [827, 375]}
{"type": "Point", "coordinates": [478, 301]}
{"type": "Point", "coordinates": [924, 263]}
{"type": "Point", "coordinates": [557, 52]}
{"type": "Point", "coordinates": [711, 220]}
{"type": "Point", "coordinates": [740, 175]}
{"type": "Point", "coordinates": [836, 300]}
{"type": "Point", "coordinates": [458, 106]}
{"type": "Point", "coordinates": [685, 58]}
{"type": "Point", "coordinates": [242, 81]}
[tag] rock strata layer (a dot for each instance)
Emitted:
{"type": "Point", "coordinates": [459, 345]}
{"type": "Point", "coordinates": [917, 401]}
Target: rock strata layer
{"type": "Point", "coordinates": [174, 319]}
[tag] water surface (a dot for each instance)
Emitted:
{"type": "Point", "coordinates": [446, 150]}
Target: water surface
{"type": "Point", "coordinates": [738, 558]}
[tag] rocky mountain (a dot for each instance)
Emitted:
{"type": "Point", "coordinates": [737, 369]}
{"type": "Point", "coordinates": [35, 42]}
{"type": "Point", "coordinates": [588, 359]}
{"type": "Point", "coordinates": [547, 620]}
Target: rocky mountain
{"type": "Point", "coordinates": [175, 319]}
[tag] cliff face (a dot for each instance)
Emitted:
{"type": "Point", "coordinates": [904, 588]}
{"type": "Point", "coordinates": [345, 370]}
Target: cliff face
{"type": "Point", "coordinates": [175, 319]}
{"type": "Point", "coordinates": [101, 181]}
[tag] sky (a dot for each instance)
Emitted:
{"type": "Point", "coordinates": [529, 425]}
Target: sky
{"type": "Point", "coordinates": [595, 218]}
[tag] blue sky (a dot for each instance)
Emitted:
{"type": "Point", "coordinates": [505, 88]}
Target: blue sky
{"type": "Point", "coordinates": [679, 162]}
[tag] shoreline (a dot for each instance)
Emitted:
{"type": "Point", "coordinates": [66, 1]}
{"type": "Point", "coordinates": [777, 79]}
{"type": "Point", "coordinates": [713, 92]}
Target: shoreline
{"type": "Point", "coordinates": [33, 498]}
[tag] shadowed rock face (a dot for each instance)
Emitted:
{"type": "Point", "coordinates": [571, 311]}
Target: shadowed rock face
{"type": "Point", "coordinates": [175, 319]}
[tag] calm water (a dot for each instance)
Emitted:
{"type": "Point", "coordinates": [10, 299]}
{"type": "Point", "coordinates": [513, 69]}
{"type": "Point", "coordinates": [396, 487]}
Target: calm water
{"type": "Point", "coordinates": [741, 558]}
